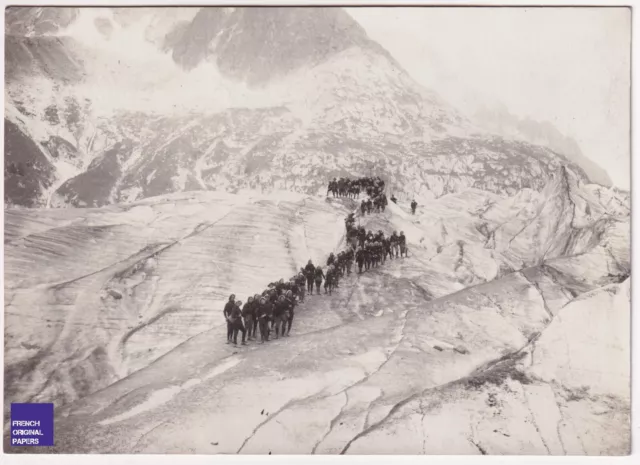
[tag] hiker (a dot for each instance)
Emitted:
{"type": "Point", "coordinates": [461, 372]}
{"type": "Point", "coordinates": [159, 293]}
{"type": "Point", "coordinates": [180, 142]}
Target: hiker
{"type": "Point", "coordinates": [227, 315]}
{"type": "Point", "coordinates": [349, 261]}
{"type": "Point", "coordinates": [360, 259]}
{"type": "Point", "coordinates": [247, 316]}
{"type": "Point", "coordinates": [328, 280]}
{"type": "Point", "coordinates": [310, 272]}
{"type": "Point", "coordinates": [301, 282]}
{"type": "Point", "coordinates": [292, 305]}
{"type": "Point", "coordinates": [402, 241]}
{"type": "Point", "coordinates": [256, 306]}
{"type": "Point", "coordinates": [236, 323]}
{"type": "Point", "coordinates": [279, 314]}
{"type": "Point", "coordinates": [414, 204]}
{"type": "Point", "coordinates": [319, 276]}
{"type": "Point", "coordinates": [393, 199]}
{"type": "Point", "coordinates": [386, 249]}
{"type": "Point", "coordinates": [395, 244]}
{"type": "Point", "coordinates": [264, 316]}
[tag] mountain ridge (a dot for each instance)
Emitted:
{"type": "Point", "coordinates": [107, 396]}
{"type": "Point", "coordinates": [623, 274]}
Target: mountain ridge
{"type": "Point", "coordinates": [348, 102]}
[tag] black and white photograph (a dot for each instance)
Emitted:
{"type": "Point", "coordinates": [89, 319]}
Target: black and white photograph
{"type": "Point", "coordinates": [277, 230]}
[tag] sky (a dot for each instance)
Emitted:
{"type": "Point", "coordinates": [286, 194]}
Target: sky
{"type": "Point", "coordinates": [568, 66]}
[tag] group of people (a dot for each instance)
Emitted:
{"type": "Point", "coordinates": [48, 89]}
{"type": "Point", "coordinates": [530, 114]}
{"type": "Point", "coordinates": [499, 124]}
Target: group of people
{"type": "Point", "coordinates": [272, 311]}
{"type": "Point", "coordinates": [351, 188]}
{"type": "Point", "coordinates": [372, 249]}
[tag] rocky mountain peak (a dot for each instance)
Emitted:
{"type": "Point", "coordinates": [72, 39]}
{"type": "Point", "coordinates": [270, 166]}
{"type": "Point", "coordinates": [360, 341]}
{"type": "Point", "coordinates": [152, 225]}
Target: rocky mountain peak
{"type": "Point", "coordinates": [258, 44]}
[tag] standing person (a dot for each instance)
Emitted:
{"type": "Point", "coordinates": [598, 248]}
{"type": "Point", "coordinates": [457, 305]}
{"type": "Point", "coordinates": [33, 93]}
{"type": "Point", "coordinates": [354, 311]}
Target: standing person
{"type": "Point", "coordinates": [414, 204]}
{"type": "Point", "coordinates": [264, 315]}
{"type": "Point", "coordinates": [279, 315]}
{"type": "Point", "coordinates": [227, 315]}
{"type": "Point", "coordinates": [367, 257]}
{"type": "Point", "coordinates": [349, 261]}
{"type": "Point", "coordinates": [386, 245]}
{"type": "Point", "coordinates": [301, 282]}
{"type": "Point", "coordinates": [319, 276]}
{"type": "Point", "coordinates": [328, 280]}
{"type": "Point", "coordinates": [395, 245]}
{"type": "Point", "coordinates": [310, 272]}
{"type": "Point", "coordinates": [369, 206]}
{"type": "Point", "coordinates": [403, 244]}
{"type": "Point", "coordinates": [363, 207]}
{"type": "Point", "coordinates": [256, 306]}
{"type": "Point", "coordinates": [362, 236]}
{"type": "Point", "coordinates": [360, 259]}
{"type": "Point", "coordinates": [236, 322]}
{"type": "Point", "coordinates": [280, 286]}
{"type": "Point", "coordinates": [393, 199]}
{"type": "Point", "coordinates": [331, 259]}
{"type": "Point", "coordinates": [292, 305]}
{"type": "Point", "coordinates": [247, 315]}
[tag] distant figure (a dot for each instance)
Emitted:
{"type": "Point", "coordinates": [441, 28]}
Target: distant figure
{"type": "Point", "coordinates": [360, 259]}
{"type": "Point", "coordinates": [248, 312]}
{"type": "Point", "coordinates": [319, 276]}
{"type": "Point", "coordinates": [301, 281]}
{"type": "Point", "coordinates": [227, 316]}
{"type": "Point", "coordinates": [393, 199]}
{"type": "Point", "coordinates": [394, 242]}
{"type": "Point", "coordinates": [310, 272]}
{"type": "Point", "coordinates": [414, 204]}
{"type": "Point", "coordinates": [264, 315]}
{"type": "Point", "coordinates": [237, 324]}
{"type": "Point", "coordinates": [403, 244]}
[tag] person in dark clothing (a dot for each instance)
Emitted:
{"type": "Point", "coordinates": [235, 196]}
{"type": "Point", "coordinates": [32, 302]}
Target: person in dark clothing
{"type": "Point", "coordinates": [328, 280]}
{"type": "Point", "coordinates": [280, 287]}
{"type": "Point", "coordinates": [227, 314]}
{"type": "Point", "coordinates": [292, 305]}
{"type": "Point", "coordinates": [264, 315]}
{"type": "Point", "coordinates": [367, 257]}
{"type": "Point", "coordinates": [395, 245]}
{"type": "Point", "coordinates": [393, 199]}
{"type": "Point", "coordinates": [360, 259]}
{"type": "Point", "coordinates": [402, 241]}
{"type": "Point", "coordinates": [362, 237]}
{"type": "Point", "coordinates": [310, 273]}
{"type": "Point", "coordinates": [331, 259]}
{"type": "Point", "coordinates": [301, 282]}
{"type": "Point", "coordinates": [414, 204]}
{"type": "Point", "coordinates": [280, 315]}
{"type": "Point", "coordinates": [319, 276]}
{"type": "Point", "coordinates": [369, 206]}
{"type": "Point", "coordinates": [256, 305]}
{"type": "Point", "coordinates": [349, 261]}
{"type": "Point", "coordinates": [363, 207]}
{"type": "Point", "coordinates": [236, 323]}
{"type": "Point", "coordinates": [247, 316]}
{"type": "Point", "coordinates": [386, 246]}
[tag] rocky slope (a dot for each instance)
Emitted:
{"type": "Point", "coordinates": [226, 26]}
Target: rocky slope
{"type": "Point", "coordinates": [149, 102]}
{"type": "Point", "coordinates": [473, 322]}
{"type": "Point", "coordinates": [499, 120]}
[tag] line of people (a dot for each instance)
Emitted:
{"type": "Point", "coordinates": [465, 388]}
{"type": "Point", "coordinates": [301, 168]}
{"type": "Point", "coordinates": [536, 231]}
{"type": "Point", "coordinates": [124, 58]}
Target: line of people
{"type": "Point", "coordinates": [273, 310]}
{"type": "Point", "coordinates": [351, 188]}
{"type": "Point", "coordinates": [372, 249]}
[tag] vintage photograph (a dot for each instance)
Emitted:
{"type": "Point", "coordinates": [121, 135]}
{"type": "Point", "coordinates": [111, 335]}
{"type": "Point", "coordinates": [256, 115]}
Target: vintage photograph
{"type": "Point", "coordinates": [317, 230]}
